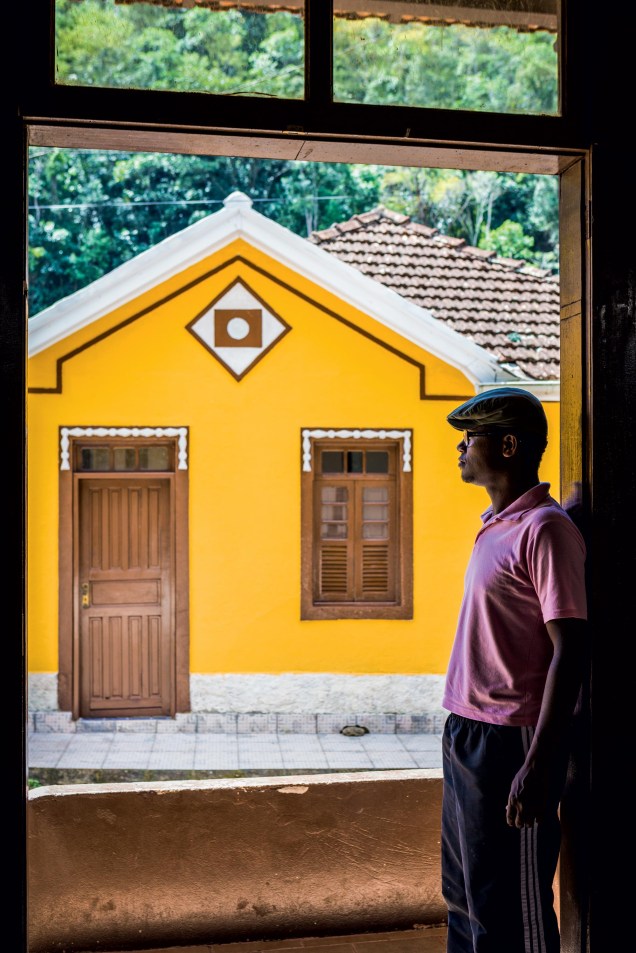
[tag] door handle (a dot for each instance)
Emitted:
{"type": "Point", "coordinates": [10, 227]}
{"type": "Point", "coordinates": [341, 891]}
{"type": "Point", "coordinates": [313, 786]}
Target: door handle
{"type": "Point", "coordinates": [85, 600]}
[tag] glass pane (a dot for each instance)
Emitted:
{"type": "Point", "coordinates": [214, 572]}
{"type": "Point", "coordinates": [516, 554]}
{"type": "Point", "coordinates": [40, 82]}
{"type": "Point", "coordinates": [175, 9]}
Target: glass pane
{"type": "Point", "coordinates": [334, 494]}
{"type": "Point", "coordinates": [124, 458]}
{"type": "Point", "coordinates": [483, 55]}
{"type": "Point", "coordinates": [154, 458]}
{"type": "Point", "coordinates": [374, 511]}
{"type": "Point", "coordinates": [355, 460]}
{"type": "Point", "coordinates": [94, 458]}
{"type": "Point", "coordinates": [334, 512]}
{"type": "Point", "coordinates": [375, 531]}
{"type": "Point", "coordinates": [375, 494]}
{"type": "Point", "coordinates": [333, 531]}
{"type": "Point", "coordinates": [332, 461]}
{"type": "Point", "coordinates": [377, 461]}
{"type": "Point", "coordinates": [250, 49]}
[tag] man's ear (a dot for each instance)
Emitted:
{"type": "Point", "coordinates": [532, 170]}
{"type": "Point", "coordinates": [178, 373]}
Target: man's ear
{"type": "Point", "coordinates": [509, 445]}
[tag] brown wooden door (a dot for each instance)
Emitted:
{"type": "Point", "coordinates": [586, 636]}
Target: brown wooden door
{"type": "Point", "coordinates": [126, 632]}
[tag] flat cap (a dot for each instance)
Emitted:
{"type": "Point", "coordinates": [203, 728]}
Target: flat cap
{"type": "Point", "coordinates": [502, 407]}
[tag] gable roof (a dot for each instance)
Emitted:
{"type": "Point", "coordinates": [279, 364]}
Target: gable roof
{"type": "Point", "coordinates": [238, 220]}
{"type": "Point", "coordinates": [506, 306]}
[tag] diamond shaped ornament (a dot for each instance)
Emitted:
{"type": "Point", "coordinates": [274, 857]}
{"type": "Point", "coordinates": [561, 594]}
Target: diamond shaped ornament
{"type": "Point", "coordinates": [238, 328]}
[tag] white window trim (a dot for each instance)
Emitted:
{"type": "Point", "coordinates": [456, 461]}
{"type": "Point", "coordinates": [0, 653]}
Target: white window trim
{"type": "Point", "coordinates": [404, 435]}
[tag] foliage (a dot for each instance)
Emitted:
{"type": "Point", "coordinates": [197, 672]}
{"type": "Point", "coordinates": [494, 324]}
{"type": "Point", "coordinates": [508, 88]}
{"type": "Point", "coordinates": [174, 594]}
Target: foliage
{"type": "Point", "coordinates": [451, 67]}
{"type": "Point", "coordinates": [141, 46]}
{"type": "Point", "coordinates": [508, 240]}
{"type": "Point", "coordinates": [91, 211]}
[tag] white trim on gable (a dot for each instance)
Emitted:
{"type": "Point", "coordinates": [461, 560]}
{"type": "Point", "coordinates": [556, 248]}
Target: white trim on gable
{"type": "Point", "coordinates": [238, 220]}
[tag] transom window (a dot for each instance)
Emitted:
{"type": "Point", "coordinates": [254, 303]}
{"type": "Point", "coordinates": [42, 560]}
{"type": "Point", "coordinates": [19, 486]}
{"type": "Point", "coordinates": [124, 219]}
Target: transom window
{"type": "Point", "coordinates": [497, 56]}
{"type": "Point", "coordinates": [106, 458]}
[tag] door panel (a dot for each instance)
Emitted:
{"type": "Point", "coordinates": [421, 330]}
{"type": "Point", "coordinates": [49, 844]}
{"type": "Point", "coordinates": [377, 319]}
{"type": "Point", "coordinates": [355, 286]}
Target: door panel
{"type": "Point", "coordinates": [126, 645]}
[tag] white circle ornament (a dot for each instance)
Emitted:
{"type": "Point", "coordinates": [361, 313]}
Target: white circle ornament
{"type": "Point", "coordinates": [238, 328]}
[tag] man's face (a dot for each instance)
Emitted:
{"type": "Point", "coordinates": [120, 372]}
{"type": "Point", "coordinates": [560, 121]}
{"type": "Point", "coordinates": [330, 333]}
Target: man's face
{"type": "Point", "coordinates": [480, 455]}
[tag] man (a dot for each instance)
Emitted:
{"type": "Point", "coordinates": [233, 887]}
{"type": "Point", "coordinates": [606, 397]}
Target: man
{"type": "Point", "coordinates": [511, 688]}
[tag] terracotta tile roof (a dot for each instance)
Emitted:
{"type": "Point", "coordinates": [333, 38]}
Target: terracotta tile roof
{"type": "Point", "coordinates": [507, 306]}
{"type": "Point", "coordinates": [525, 15]}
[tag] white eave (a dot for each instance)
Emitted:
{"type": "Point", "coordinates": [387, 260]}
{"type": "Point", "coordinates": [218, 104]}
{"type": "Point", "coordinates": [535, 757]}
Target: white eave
{"type": "Point", "coordinates": [238, 220]}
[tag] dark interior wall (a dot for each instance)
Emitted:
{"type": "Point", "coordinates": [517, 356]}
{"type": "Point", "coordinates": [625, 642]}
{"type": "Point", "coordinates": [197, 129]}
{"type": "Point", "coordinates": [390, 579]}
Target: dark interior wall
{"type": "Point", "coordinates": [613, 569]}
{"type": "Point", "coordinates": [599, 104]}
{"type": "Point", "coordinates": [12, 399]}
{"type": "Point", "coordinates": [128, 866]}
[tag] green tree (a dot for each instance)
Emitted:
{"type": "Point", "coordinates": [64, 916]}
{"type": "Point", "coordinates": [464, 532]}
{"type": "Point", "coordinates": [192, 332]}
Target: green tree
{"type": "Point", "coordinates": [90, 211]}
{"type": "Point", "coordinates": [471, 205]}
{"type": "Point", "coordinates": [508, 241]}
{"type": "Point", "coordinates": [451, 67]}
{"type": "Point", "coordinates": [146, 46]}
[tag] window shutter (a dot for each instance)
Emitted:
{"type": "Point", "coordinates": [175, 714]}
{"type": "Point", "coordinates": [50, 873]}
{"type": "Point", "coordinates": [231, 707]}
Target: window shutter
{"type": "Point", "coordinates": [333, 542]}
{"type": "Point", "coordinates": [334, 571]}
{"type": "Point", "coordinates": [376, 542]}
{"type": "Point", "coordinates": [375, 570]}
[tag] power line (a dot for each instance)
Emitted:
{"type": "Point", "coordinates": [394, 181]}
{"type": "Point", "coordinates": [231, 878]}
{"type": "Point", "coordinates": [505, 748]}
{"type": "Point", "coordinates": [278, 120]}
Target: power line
{"type": "Point", "coordinates": [132, 205]}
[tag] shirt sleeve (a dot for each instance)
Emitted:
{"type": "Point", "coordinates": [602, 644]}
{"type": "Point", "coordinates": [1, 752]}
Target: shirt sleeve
{"type": "Point", "coordinates": [556, 566]}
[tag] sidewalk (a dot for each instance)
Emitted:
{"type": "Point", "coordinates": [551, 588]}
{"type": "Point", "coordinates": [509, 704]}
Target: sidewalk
{"type": "Point", "coordinates": [69, 757]}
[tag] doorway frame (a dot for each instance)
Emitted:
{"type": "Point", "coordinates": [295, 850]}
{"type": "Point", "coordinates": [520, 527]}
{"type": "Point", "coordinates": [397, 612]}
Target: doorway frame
{"type": "Point", "coordinates": [597, 67]}
{"type": "Point", "coordinates": [68, 622]}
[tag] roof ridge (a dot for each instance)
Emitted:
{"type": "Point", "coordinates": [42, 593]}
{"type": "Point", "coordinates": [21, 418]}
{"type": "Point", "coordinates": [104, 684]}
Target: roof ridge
{"type": "Point", "coordinates": [375, 214]}
{"type": "Point", "coordinates": [356, 221]}
{"type": "Point", "coordinates": [360, 220]}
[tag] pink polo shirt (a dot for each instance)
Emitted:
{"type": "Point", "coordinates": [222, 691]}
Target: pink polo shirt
{"type": "Point", "coordinates": [526, 568]}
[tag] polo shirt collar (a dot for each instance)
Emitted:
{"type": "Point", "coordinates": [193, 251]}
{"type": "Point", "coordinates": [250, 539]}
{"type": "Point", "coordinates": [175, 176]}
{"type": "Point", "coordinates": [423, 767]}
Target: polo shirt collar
{"type": "Point", "coordinates": [535, 496]}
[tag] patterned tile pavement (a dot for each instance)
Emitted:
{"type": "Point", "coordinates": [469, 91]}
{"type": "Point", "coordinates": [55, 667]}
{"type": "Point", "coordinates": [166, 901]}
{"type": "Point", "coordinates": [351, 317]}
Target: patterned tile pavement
{"type": "Point", "coordinates": [211, 752]}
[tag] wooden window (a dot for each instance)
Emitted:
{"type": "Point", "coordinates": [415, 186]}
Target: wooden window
{"type": "Point", "coordinates": [357, 530]}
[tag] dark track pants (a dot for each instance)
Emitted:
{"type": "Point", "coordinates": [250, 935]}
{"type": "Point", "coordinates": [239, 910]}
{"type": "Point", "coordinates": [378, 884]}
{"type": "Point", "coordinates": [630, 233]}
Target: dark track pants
{"type": "Point", "coordinates": [496, 880]}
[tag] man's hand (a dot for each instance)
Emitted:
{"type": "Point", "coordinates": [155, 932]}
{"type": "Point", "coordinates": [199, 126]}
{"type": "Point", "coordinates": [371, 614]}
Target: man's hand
{"type": "Point", "coordinates": [530, 788]}
{"type": "Point", "coordinates": [528, 797]}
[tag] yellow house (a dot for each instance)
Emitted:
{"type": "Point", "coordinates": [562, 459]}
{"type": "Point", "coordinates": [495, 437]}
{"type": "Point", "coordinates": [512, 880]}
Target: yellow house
{"type": "Point", "coordinates": [243, 494]}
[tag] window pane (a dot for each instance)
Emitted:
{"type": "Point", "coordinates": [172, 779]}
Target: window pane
{"type": "Point", "coordinates": [373, 511]}
{"type": "Point", "coordinates": [332, 461]}
{"type": "Point", "coordinates": [334, 494]}
{"type": "Point", "coordinates": [355, 460]}
{"type": "Point", "coordinates": [375, 494]}
{"type": "Point", "coordinates": [483, 55]}
{"type": "Point", "coordinates": [154, 458]}
{"type": "Point", "coordinates": [124, 458]}
{"type": "Point", "coordinates": [251, 49]}
{"type": "Point", "coordinates": [94, 458]}
{"type": "Point", "coordinates": [375, 531]}
{"type": "Point", "coordinates": [334, 512]}
{"type": "Point", "coordinates": [377, 461]}
{"type": "Point", "coordinates": [333, 531]}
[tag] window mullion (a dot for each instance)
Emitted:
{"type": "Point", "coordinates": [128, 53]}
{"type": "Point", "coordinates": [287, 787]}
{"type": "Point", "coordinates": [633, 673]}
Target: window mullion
{"type": "Point", "coordinates": [318, 54]}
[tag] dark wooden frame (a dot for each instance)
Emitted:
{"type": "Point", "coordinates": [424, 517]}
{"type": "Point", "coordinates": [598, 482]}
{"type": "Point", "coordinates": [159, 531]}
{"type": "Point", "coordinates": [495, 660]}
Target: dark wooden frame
{"type": "Point", "coordinates": [588, 138]}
